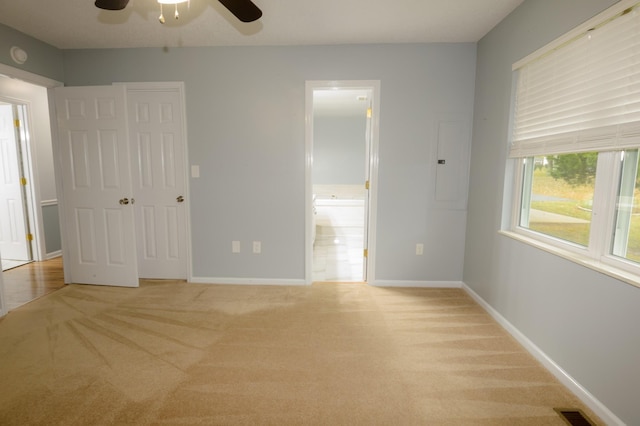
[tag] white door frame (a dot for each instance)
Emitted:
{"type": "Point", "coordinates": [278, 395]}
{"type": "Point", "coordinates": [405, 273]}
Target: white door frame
{"type": "Point", "coordinates": [3, 304]}
{"type": "Point", "coordinates": [31, 193]}
{"type": "Point", "coordinates": [49, 84]}
{"type": "Point", "coordinates": [18, 158]}
{"type": "Point", "coordinates": [373, 160]}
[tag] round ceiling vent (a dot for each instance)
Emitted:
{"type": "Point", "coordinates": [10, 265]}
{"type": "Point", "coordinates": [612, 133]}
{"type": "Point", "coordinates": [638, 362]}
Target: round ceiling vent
{"type": "Point", "coordinates": [18, 55]}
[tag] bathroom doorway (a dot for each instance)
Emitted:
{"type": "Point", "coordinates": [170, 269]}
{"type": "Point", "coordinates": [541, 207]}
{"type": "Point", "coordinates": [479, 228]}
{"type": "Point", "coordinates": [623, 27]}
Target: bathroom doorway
{"type": "Point", "coordinates": [340, 126]}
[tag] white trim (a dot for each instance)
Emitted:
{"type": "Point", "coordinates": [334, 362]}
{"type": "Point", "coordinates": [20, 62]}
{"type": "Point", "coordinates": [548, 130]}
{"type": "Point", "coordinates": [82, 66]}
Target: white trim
{"type": "Point", "coordinates": [29, 169]}
{"type": "Point", "coordinates": [593, 264]}
{"type": "Point", "coordinates": [308, 185]}
{"type": "Point", "coordinates": [421, 284]}
{"type": "Point", "coordinates": [162, 86]}
{"type": "Point", "coordinates": [29, 77]}
{"type": "Point", "coordinates": [583, 394]}
{"type": "Point", "coordinates": [36, 221]}
{"type": "Point", "coordinates": [53, 254]}
{"type": "Point", "coordinates": [57, 167]}
{"type": "Point", "coordinates": [247, 281]}
{"type": "Point", "coordinates": [3, 305]}
{"type": "Point", "coordinates": [373, 159]}
{"type": "Point", "coordinates": [609, 13]}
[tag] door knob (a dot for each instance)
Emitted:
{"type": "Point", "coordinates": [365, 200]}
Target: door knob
{"type": "Point", "coordinates": [124, 201]}
{"type": "Point", "coordinates": [180, 199]}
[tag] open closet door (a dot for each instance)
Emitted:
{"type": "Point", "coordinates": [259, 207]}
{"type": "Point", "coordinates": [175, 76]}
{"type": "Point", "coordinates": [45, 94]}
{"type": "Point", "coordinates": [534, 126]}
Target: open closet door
{"type": "Point", "coordinates": [96, 181]}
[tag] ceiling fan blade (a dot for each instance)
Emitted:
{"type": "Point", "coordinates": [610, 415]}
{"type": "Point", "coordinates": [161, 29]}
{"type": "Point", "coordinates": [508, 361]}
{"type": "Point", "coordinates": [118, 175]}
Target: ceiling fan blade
{"type": "Point", "coordinates": [244, 10]}
{"type": "Point", "coordinates": [111, 4]}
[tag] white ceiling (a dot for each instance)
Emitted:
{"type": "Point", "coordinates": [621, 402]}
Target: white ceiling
{"type": "Point", "coordinates": [77, 24]}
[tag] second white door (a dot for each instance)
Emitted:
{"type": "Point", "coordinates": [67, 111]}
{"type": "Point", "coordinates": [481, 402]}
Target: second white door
{"type": "Point", "coordinates": [157, 149]}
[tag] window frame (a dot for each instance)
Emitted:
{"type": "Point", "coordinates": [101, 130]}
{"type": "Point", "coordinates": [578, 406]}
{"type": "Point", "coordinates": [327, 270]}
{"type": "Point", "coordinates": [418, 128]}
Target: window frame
{"type": "Point", "coordinates": [597, 254]}
{"type": "Point", "coordinates": [518, 198]}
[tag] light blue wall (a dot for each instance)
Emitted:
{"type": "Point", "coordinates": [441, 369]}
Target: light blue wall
{"type": "Point", "coordinates": [43, 59]}
{"type": "Point", "coordinates": [245, 109]}
{"type": "Point", "coordinates": [339, 149]}
{"type": "Point", "coordinates": [51, 222]}
{"type": "Point", "coordinates": [585, 321]}
{"type": "Point", "coordinates": [246, 127]}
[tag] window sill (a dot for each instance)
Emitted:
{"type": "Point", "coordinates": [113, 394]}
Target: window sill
{"type": "Point", "coordinates": [592, 264]}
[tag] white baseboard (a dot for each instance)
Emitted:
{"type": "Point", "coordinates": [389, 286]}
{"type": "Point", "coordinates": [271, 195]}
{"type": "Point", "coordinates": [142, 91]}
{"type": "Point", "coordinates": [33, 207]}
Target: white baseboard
{"type": "Point", "coordinates": [245, 281]}
{"type": "Point", "coordinates": [423, 284]}
{"type": "Point", "coordinates": [582, 393]}
{"type": "Point", "coordinates": [53, 254]}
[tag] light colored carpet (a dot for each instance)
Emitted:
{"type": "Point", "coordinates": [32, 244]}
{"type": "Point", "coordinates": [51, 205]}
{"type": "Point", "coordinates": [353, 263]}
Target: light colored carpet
{"type": "Point", "coordinates": [328, 354]}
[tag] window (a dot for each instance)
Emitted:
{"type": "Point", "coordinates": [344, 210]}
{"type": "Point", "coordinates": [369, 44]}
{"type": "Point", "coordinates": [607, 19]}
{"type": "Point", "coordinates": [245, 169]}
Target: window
{"type": "Point", "coordinates": [558, 196]}
{"type": "Point", "coordinates": [576, 138]}
{"type": "Point", "coordinates": [626, 230]}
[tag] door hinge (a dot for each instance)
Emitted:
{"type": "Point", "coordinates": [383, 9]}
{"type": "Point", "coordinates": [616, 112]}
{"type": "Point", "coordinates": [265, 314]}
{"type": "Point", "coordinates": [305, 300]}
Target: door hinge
{"type": "Point", "coordinates": [366, 185]}
{"type": "Point", "coordinates": [369, 112]}
{"type": "Point", "coordinates": [23, 181]}
{"type": "Point", "coordinates": [366, 253]}
{"type": "Point", "coordinates": [17, 122]}
{"type": "Point", "coordinates": [29, 237]}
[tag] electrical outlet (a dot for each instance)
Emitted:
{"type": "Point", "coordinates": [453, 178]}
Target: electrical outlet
{"type": "Point", "coordinates": [257, 247]}
{"type": "Point", "coordinates": [419, 249]}
{"type": "Point", "coordinates": [235, 246]}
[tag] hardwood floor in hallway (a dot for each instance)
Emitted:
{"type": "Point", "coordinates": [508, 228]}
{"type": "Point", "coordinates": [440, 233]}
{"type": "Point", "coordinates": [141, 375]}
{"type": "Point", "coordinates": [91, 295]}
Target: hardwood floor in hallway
{"type": "Point", "coordinates": [29, 282]}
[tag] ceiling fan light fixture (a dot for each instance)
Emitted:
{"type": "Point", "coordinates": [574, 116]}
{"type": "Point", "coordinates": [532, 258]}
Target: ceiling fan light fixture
{"type": "Point", "coordinates": [244, 10]}
{"type": "Point", "coordinates": [111, 4]}
{"type": "Point", "coordinates": [174, 2]}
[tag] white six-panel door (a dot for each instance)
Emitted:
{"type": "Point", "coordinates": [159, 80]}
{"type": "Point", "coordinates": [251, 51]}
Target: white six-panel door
{"type": "Point", "coordinates": [13, 230]}
{"type": "Point", "coordinates": [96, 181]}
{"type": "Point", "coordinates": [157, 149]}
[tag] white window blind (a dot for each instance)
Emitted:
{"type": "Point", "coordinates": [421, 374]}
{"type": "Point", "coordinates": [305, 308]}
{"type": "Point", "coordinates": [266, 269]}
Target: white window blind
{"type": "Point", "coordinates": [583, 95]}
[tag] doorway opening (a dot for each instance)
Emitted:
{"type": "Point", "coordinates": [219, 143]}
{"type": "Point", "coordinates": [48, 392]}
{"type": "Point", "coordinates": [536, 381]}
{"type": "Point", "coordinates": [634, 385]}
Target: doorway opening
{"type": "Point", "coordinates": [26, 117]}
{"type": "Point", "coordinates": [341, 172]}
{"type": "Point", "coordinates": [16, 206]}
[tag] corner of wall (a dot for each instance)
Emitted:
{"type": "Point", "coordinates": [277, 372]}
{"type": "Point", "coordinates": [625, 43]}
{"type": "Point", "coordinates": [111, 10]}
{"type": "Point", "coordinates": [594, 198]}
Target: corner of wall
{"type": "Point", "coordinates": [582, 393]}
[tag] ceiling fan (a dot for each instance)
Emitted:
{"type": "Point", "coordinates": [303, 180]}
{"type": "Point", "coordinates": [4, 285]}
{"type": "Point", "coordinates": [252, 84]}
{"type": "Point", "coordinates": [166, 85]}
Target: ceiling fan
{"type": "Point", "coordinates": [244, 10]}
